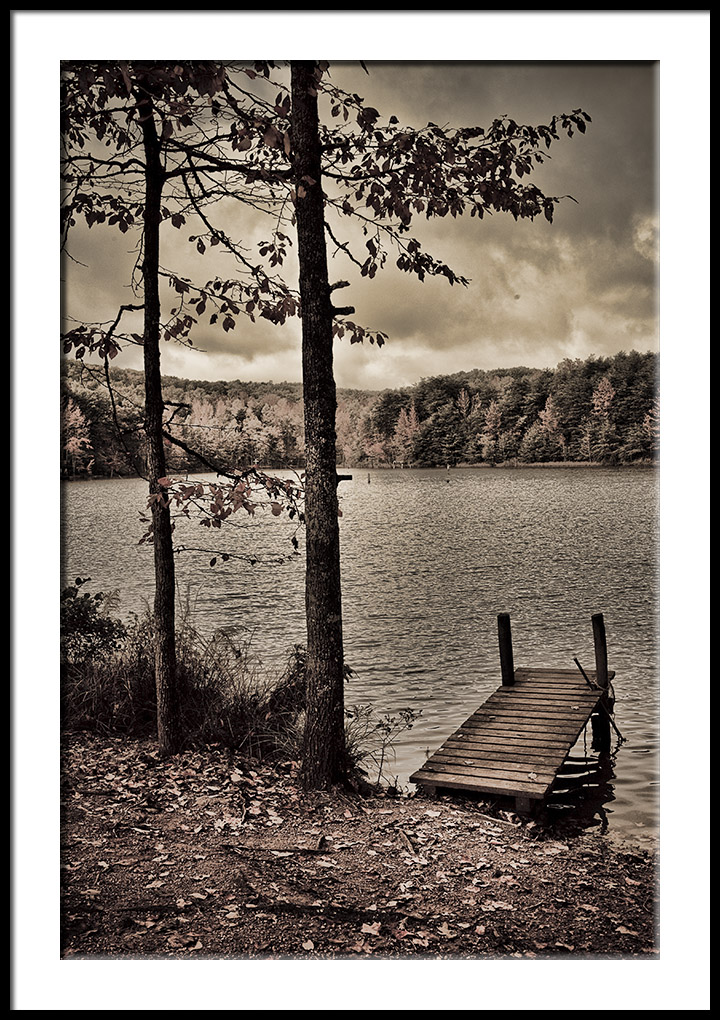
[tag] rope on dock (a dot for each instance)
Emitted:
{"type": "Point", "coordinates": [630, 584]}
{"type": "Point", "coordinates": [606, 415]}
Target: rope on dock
{"type": "Point", "coordinates": [610, 691]}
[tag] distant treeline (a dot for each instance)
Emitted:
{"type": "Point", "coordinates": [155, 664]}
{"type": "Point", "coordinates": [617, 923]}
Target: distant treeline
{"type": "Point", "coordinates": [600, 410]}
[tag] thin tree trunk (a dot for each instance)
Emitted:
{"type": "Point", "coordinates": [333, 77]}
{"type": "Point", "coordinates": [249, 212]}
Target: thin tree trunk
{"type": "Point", "coordinates": [164, 609]}
{"type": "Point", "coordinates": [324, 757]}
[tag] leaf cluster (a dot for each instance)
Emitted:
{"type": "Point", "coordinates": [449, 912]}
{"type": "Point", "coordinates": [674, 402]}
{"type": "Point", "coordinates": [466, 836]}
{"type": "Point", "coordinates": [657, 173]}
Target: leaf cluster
{"type": "Point", "coordinates": [224, 143]}
{"type": "Point", "coordinates": [214, 503]}
{"type": "Point", "coordinates": [86, 628]}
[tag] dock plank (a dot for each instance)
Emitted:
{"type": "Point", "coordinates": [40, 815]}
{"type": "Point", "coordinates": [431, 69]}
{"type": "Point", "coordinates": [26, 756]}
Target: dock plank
{"type": "Point", "coordinates": [509, 770]}
{"type": "Point", "coordinates": [499, 739]}
{"type": "Point", "coordinates": [528, 755]}
{"type": "Point", "coordinates": [454, 782]}
{"type": "Point", "coordinates": [560, 720]}
{"type": "Point", "coordinates": [536, 779]}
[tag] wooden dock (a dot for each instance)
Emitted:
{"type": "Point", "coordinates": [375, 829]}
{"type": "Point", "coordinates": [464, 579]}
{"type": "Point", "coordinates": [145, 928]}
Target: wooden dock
{"type": "Point", "coordinates": [516, 742]}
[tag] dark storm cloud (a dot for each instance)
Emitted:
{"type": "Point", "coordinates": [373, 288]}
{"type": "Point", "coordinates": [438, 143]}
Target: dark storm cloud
{"type": "Point", "coordinates": [538, 292]}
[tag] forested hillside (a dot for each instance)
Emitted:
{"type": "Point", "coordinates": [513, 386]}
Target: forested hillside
{"type": "Point", "coordinates": [600, 410]}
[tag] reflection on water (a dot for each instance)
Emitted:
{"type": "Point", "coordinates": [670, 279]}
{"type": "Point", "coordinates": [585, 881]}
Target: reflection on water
{"type": "Point", "coordinates": [585, 788]}
{"type": "Point", "coordinates": [429, 559]}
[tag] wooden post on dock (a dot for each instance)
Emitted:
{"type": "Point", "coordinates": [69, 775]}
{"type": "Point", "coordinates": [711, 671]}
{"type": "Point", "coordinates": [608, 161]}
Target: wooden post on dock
{"type": "Point", "coordinates": [601, 719]}
{"type": "Point", "coordinates": [507, 666]}
{"type": "Point", "coordinates": [601, 660]}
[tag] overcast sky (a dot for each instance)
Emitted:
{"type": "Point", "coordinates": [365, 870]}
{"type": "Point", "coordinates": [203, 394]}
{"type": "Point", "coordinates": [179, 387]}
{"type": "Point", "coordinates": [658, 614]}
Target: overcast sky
{"type": "Point", "coordinates": [585, 284]}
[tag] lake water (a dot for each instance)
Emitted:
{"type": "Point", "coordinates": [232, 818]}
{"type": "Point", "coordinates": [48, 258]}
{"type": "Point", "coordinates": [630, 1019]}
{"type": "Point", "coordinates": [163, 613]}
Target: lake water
{"type": "Point", "coordinates": [429, 558]}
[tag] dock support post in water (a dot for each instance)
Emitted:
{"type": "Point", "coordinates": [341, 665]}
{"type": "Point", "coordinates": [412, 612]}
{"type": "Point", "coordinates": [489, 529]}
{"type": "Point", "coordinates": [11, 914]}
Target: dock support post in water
{"type": "Point", "coordinates": [507, 666]}
{"type": "Point", "coordinates": [601, 718]}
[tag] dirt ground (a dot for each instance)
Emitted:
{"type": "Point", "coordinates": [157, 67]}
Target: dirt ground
{"type": "Point", "coordinates": [207, 855]}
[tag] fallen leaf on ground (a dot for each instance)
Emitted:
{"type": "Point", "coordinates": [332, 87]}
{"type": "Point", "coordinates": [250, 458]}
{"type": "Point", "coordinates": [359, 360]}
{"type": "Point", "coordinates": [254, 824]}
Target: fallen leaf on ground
{"type": "Point", "coordinates": [189, 941]}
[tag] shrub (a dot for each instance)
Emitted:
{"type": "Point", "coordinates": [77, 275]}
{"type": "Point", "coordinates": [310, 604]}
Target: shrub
{"type": "Point", "coordinates": [227, 697]}
{"type": "Point", "coordinates": [370, 739]}
{"type": "Point", "coordinates": [86, 629]}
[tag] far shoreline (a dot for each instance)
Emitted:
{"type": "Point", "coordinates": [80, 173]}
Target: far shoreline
{"type": "Point", "coordinates": [503, 465]}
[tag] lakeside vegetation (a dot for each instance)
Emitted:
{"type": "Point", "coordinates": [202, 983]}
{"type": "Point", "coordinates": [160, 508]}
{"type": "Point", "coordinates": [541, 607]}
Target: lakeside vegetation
{"type": "Point", "coordinates": [229, 698]}
{"type": "Point", "coordinates": [591, 411]}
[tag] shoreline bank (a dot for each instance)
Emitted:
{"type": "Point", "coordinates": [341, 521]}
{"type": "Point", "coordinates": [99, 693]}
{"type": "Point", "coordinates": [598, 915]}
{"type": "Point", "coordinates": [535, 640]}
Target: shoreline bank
{"type": "Point", "coordinates": [209, 855]}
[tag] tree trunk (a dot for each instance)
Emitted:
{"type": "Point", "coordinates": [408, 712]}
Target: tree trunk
{"type": "Point", "coordinates": [324, 756]}
{"type": "Point", "coordinates": [164, 609]}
